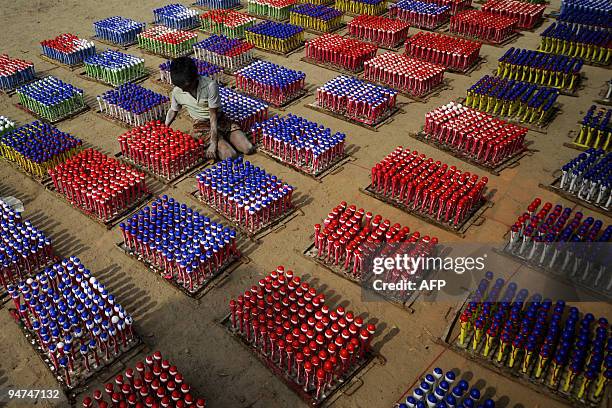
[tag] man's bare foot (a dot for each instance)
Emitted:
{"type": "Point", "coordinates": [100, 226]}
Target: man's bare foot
{"type": "Point", "coordinates": [239, 140]}
{"type": "Point", "coordinates": [225, 150]}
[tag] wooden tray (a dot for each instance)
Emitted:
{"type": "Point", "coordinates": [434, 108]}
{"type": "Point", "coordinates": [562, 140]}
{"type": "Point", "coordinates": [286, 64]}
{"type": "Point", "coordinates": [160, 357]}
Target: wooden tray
{"type": "Point", "coordinates": [200, 290]}
{"type": "Point", "coordinates": [449, 339]}
{"type": "Point", "coordinates": [274, 225]}
{"type": "Point", "coordinates": [60, 64]}
{"type": "Point", "coordinates": [509, 162]}
{"type": "Point", "coordinates": [115, 219]}
{"type": "Point", "coordinates": [170, 182]}
{"type": "Point", "coordinates": [474, 218]}
{"type": "Point", "coordinates": [331, 67]}
{"type": "Point", "coordinates": [367, 360]}
{"type": "Point", "coordinates": [374, 127]}
{"type": "Point", "coordinates": [333, 168]}
{"type": "Point", "coordinates": [79, 382]}
{"type": "Point", "coordinates": [71, 115]}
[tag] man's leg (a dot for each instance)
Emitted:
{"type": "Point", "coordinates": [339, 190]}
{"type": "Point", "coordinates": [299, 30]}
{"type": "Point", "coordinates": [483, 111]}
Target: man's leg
{"type": "Point", "coordinates": [236, 136]}
{"type": "Point", "coordinates": [239, 140]}
{"type": "Point", "coordinates": [225, 150]}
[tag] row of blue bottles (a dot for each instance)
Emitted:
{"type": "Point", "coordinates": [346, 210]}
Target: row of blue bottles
{"type": "Point", "coordinates": [587, 12]}
{"type": "Point", "coordinates": [14, 72]}
{"type": "Point", "coordinates": [589, 177]}
{"type": "Point", "coordinates": [436, 390]}
{"type": "Point", "coordinates": [242, 109]}
{"type": "Point", "coordinates": [177, 16]}
{"type": "Point", "coordinates": [118, 30]}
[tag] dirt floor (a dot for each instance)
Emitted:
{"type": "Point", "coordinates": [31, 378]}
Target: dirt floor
{"type": "Point", "coordinates": [186, 331]}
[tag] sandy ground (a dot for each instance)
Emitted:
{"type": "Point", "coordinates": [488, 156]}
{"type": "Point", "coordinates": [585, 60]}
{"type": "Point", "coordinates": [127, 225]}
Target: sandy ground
{"type": "Point", "coordinates": [185, 331]}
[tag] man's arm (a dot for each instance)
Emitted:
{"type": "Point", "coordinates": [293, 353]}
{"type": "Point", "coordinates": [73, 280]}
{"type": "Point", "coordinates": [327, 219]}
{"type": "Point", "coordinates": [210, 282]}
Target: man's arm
{"type": "Point", "coordinates": [173, 111]}
{"type": "Point", "coordinates": [214, 103]}
{"type": "Point", "coordinates": [214, 134]}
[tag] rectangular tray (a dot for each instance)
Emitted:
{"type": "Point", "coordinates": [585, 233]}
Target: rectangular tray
{"type": "Point", "coordinates": [474, 218]}
{"type": "Point", "coordinates": [385, 119]}
{"type": "Point", "coordinates": [509, 162]}
{"type": "Point", "coordinates": [71, 115]}
{"type": "Point", "coordinates": [265, 229]}
{"type": "Point", "coordinates": [198, 291]}
{"type": "Point", "coordinates": [80, 382]}
{"type": "Point", "coordinates": [111, 222]}
{"type": "Point", "coordinates": [449, 340]}
{"type": "Point", "coordinates": [170, 182]}
{"type": "Point", "coordinates": [306, 397]}
{"type": "Point", "coordinates": [331, 67]}
{"type": "Point", "coordinates": [333, 168]}
{"type": "Point", "coordinates": [554, 187]}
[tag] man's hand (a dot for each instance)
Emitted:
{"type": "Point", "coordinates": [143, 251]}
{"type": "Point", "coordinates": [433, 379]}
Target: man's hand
{"type": "Point", "coordinates": [170, 116]}
{"type": "Point", "coordinates": [211, 152]}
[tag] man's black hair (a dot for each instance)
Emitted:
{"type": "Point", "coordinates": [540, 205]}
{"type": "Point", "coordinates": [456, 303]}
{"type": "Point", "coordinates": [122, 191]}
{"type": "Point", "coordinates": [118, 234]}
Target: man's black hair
{"type": "Point", "coordinates": [183, 72]}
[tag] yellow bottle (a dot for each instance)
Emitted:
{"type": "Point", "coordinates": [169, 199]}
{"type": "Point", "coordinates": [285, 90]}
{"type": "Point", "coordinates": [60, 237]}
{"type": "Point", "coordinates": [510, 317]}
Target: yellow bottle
{"type": "Point", "coordinates": [540, 365]}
